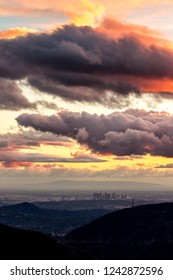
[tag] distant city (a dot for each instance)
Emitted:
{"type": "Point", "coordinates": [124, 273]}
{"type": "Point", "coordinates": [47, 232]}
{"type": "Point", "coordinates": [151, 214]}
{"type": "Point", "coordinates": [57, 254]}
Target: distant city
{"type": "Point", "coordinates": [109, 196]}
{"type": "Point", "coordinates": [113, 198]}
{"type": "Point", "coordinates": [57, 213]}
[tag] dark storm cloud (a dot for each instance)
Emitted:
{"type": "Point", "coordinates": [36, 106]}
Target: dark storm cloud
{"type": "Point", "coordinates": [78, 63]}
{"type": "Point", "coordinates": [82, 87]}
{"type": "Point", "coordinates": [11, 97]}
{"type": "Point", "coordinates": [46, 104]}
{"type": "Point", "coordinates": [133, 132]}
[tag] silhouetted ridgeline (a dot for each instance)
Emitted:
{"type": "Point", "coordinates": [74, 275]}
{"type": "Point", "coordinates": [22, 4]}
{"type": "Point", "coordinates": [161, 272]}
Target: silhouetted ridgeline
{"type": "Point", "coordinates": [28, 216]}
{"type": "Point", "coordinates": [29, 245]}
{"type": "Point", "coordinates": [142, 232]}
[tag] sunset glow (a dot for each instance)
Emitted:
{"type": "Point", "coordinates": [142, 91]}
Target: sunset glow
{"type": "Point", "coordinates": [86, 89]}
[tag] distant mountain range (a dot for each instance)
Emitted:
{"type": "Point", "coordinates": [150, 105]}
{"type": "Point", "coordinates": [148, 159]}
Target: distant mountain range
{"type": "Point", "coordinates": [83, 186]}
{"type": "Point", "coordinates": [141, 232]}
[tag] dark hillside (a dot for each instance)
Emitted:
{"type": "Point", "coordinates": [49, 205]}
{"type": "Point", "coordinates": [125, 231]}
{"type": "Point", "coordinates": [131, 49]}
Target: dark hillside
{"type": "Point", "coordinates": [142, 232]}
{"type": "Point", "coordinates": [28, 216]}
{"type": "Point", "coordinates": [24, 244]}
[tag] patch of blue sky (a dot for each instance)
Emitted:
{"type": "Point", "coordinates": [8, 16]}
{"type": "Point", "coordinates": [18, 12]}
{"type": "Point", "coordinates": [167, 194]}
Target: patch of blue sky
{"type": "Point", "coordinates": [37, 22]}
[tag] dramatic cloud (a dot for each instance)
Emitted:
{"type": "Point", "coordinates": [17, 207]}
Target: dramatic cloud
{"type": "Point", "coordinates": [87, 12]}
{"type": "Point", "coordinates": [95, 55]}
{"type": "Point", "coordinates": [133, 132]}
{"type": "Point", "coordinates": [48, 172]}
{"type": "Point", "coordinates": [11, 97]}
{"type": "Point", "coordinates": [31, 139]}
{"type": "Point", "coordinates": [12, 145]}
{"type": "Point", "coordinates": [15, 159]}
{"type": "Point", "coordinates": [79, 63]}
{"type": "Point", "coordinates": [43, 6]}
{"type": "Point", "coordinates": [116, 29]}
{"type": "Point", "coordinates": [15, 32]}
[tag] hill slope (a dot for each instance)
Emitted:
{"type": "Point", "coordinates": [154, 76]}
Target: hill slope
{"type": "Point", "coordinates": [142, 232]}
{"type": "Point", "coordinates": [24, 244]}
{"type": "Point", "coordinates": [28, 216]}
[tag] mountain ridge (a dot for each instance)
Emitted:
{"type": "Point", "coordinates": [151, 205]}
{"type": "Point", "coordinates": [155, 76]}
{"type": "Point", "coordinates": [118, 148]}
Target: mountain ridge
{"type": "Point", "coordinates": [140, 232]}
{"type": "Point", "coordinates": [20, 244]}
{"type": "Point", "coordinates": [29, 216]}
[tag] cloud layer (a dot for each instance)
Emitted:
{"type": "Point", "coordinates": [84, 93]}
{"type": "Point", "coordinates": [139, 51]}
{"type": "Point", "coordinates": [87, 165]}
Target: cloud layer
{"type": "Point", "coordinates": [133, 132]}
{"type": "Point", "coordinates": [79, 63]}
{"type": "Point", "coordinates": [16, 159]}
{"type": "Point", "coordinates": [11, 97]}
{"type": "Point", "coordinates": [30, 139]}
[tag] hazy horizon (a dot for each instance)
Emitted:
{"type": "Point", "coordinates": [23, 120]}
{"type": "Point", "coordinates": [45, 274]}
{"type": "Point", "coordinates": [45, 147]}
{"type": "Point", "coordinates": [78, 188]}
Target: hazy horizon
{"type": "Point", "coordinates": [86, 186]}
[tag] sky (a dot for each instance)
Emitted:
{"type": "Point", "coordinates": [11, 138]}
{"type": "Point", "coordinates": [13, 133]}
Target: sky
{"type": "Point", "coordinates": [86, 91]}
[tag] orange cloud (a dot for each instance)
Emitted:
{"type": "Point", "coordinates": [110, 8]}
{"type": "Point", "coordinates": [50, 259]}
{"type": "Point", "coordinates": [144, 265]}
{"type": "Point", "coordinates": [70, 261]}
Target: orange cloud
{"type": "Point", "coordinates": [112, 6]}
{"type": "Point", "coordinates": [164, 85]}
{"type": "Point", "coordinates": [116, 29]}
{"type": "Point", "coordinates": [148, 37]}
{"type": "Point", "coordinates": [14, 32]}
{"type": "Point", "coordinates": [77, 7]}
{"type": "Point", "coordinates": [152, 85]}
{"type": "Point", "coordinates": [17, 164]}
{"type": "Point", "coordinates": [88, 13]}
{"type": "Point", "coordinates": [79, 12]}
{"type": "Point", "coordinates": [122, 8]}
{"type": "Point", "coordinates": [148, 85]}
